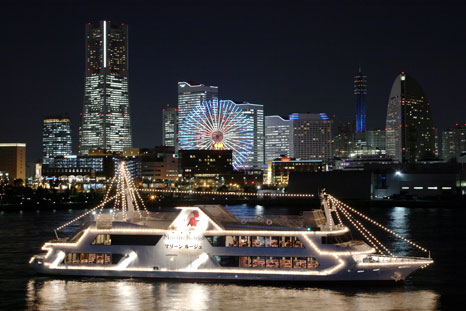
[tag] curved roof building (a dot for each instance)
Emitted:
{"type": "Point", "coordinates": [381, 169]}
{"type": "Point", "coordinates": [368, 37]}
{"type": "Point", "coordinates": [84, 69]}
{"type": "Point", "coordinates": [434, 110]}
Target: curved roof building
{"type": "Point", "coordinates": [410, 128]}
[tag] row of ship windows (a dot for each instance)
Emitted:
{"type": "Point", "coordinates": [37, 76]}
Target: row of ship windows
{"type": "Point", "coordinates": [92, 258]}
{"type": "Point", "coordinates": [255, 241]}
{"type": "Point", "coordinates": [121, 239]}
{"type": "Point", "coordinates": [220, 240]}
{"type": "Point", "coordinates": [268, 262]}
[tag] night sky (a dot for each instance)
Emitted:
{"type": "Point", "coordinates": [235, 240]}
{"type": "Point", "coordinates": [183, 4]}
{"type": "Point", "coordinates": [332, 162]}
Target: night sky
{"type": "Point", "coordinates": [290, 56]}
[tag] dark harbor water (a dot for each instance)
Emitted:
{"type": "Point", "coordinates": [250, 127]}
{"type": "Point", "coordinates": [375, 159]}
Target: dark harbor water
{"type": "Point", "coordinates": [441, 230]}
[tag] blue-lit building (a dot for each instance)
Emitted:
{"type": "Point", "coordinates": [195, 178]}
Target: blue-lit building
{"type": "Point", "coordinates": [360, 91]}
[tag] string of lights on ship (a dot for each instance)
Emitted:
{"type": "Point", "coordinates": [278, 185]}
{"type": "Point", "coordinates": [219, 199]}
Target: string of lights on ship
{"type": "Point", "coordinates": [231, 193]}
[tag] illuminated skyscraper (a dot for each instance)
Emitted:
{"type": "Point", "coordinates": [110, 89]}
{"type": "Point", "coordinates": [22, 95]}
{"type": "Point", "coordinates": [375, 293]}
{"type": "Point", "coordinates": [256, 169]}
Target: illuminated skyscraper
{"type": "Point", "coordinates": [106, 117]}
{"type": "Point", "coordinates": [192, 95]}
{"type": "Point", "coordinates": [410, 128]}
{"type": "Point", "coordinates": [277, 137]}
{"type": "Point", "coordinates": [360, 91]}
{"type": "Point", "coordinates": [169, 126]}
{"type": "Point", "coordinates": [56, 137]}
{"type": "Point", "coordinates": [311, 136]}
{"type": "Point", "coordinates": [255, 114]}
{"type": "Point", "coordinates": [453, 142]}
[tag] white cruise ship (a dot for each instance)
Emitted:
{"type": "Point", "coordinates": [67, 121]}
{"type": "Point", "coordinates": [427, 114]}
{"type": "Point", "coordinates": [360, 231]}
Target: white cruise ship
{"type": "Point", "coordinates": [209, 243]}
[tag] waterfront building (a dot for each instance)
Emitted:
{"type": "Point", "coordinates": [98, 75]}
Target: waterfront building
{"type": "Point", "coordinates": [169, 126]}
{"type": "Point", "coordinates": [56, 137]}
{"type": "Point", "coordinates": [311, 136]}
{"type": "Point", "coordinates": [277, 137]}
{"type": "Point", "coordinates": [409, 125]}
{"type": "Point", "coordinates": [219, 125]}
{"type": "Point", "coordinates": [454, 142]}
{"type": "Point", "coordinates": [159, 165]}
{"type": "Point", "coordinates": [94, 167]}
{"type": "Point", "coordinates": [13, 161]}
{"type": "Point", "coordinates": [278, 170]}
{"type": "Point", "coordinates": [360, 91]}
{"type": "Point", "coordinates": [208, 168]}
{"type": "Point", "coordinates": [106, 116]}
{"type": "Point", "coordinates": [376, 178]}
{"type": "Point", "coordinates": [255, 116]}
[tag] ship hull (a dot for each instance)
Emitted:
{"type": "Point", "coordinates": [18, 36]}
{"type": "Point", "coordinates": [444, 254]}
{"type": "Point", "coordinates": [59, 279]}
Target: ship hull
{"type": "Point", "coordinates": [385, 276]}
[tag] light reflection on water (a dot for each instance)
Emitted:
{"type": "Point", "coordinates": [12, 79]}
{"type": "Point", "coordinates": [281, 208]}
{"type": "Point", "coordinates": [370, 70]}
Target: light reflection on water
{"type": "Point", "coordinates": [141, 295]}
{"type": "Point", "coordinates": [399, 223]}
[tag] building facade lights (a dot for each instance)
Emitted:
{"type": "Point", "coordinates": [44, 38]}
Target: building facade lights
{"type": "Point", "coordinates": [105, 121]}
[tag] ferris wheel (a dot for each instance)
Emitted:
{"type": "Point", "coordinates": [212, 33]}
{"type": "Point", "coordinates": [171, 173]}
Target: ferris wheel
{"type": "Point", "coordinates": [218, 124]}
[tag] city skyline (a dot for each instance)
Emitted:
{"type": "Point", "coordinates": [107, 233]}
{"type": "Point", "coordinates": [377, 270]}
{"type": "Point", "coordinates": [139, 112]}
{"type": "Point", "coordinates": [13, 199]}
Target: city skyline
{"type": "Point", "coordinates": [265, 65]}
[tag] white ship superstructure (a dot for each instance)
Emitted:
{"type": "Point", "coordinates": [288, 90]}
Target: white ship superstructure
{"type": "Point", "coordinates": [209, 243]}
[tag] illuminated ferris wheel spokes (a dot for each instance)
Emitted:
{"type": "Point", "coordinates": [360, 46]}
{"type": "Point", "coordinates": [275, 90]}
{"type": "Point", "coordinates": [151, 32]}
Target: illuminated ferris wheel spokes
{"type": "Point", "coordinates": [218, 125]}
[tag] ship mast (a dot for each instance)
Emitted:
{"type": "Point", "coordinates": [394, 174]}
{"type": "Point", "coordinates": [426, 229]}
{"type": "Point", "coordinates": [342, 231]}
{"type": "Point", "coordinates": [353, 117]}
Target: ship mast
{"type": "Point", "coordinates": [127, 202]}
{"type": "Point", "coordinates": [328, 208]}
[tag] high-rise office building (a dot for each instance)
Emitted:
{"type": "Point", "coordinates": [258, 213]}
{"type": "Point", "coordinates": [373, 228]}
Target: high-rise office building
{"type": "Point", "coordinates": [343, 129]}
{"type": "Point", "coordinates": [453, 142]}
{"type": "Point", "coordinates": [409, 126]}
{"type": "Point", "coordinates": [360, 91]}
{"type": "Point", "coordinates": [277, 137]}
{"type": "Point", "coordinates": [106, 116]}
{"type": "Point", "coordinates": [312, 136]}
{"type": "Point", "coordinates": [169, 126]}
{"type": "Point", "coordinates": [13, 160]}
{"type": "Point", "coordinates": [255, 114]}
{"type": "Point", "coordinates": [56, 137]}
{"type": "Point", "coordinates": [191, 95]}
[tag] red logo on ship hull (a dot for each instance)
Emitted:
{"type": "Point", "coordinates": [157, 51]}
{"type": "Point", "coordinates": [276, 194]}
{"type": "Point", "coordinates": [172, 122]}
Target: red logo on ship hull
{"type": "Point", "coordinates": [193, 219]}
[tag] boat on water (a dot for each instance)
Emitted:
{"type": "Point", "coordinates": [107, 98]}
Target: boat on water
{"type": "Point", "coordinates": [207, 242]}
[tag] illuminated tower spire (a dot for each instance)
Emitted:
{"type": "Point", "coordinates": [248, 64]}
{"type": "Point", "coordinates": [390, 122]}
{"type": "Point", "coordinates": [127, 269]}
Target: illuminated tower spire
{"type": "Point", "coordinates": [360, 91]}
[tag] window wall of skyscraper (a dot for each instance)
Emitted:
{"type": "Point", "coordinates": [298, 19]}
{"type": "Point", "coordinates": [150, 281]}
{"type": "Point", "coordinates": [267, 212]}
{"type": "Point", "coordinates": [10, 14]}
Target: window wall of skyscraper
{"type": "Point", "coordinates": [255, 115]}
{"type": "Point", "coordinates": [169, 126]}
{"type": "Point", "coordinates": [410, 128]}
{"type": "Point", "coordinates": [105, 121]}
{"type": "Point", "coordinates": [312, 136]}
{"type": "Point", "coordinates": [277, 137]}
{"type": "Point", "coordinates": [453, 142]}
{"type": "Point", "coordinates": [56, 137]}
